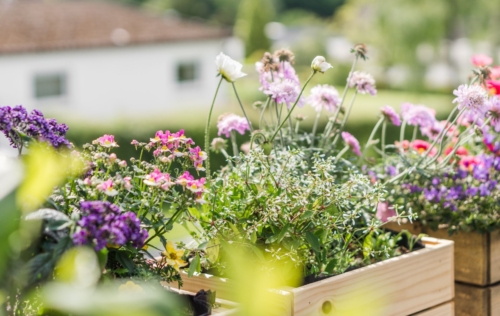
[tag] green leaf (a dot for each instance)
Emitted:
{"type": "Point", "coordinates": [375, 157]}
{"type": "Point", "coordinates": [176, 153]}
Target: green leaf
{"type": "Point", "coordinates": [48, 214]}
{"type": "Point", "coordinates": [212, 250]}
{"type": "Point", "coordinates": [307, 214]}
{"type": "Point", "coordinates": [38, 268]}
{"type": "Point", "coordinates": [194, 266]}
{"type": "Point", "coordinates": [125, 261]}
{"type": "Point", "coordinates": [313, 241]}
{"type": "Point", "coordinates": [253, 237]}
{"type": "Point", "coordinates": [102, 256]}
{"type": "Point", "coordinates": [368, 245]}
{"type": "Point", "coordinates": [331, 265]}
{"type": "Point", "coordinates": [202, 245]}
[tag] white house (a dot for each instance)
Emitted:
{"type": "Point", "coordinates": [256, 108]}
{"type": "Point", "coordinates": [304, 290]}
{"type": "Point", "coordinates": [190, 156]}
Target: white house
{"type": "Point", "coordinates": [97, 59]}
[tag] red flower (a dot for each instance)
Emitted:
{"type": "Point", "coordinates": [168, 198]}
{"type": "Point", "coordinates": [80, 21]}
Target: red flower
{"type": "Point", "coordinates": [493, 86]}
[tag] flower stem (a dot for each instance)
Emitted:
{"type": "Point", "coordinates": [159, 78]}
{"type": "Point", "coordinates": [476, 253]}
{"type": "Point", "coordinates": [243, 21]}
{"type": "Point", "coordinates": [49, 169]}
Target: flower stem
{"type": "Point", "coordinates": [263, 111]}
{"type": "Point", "coordinates": [402, 136]}
{"type": "Point", "coordinates": [346, 116]}
{"type": "Point", "coordinates": [415, 130]}
{"type": "Point", "coordinates": [293, 107]}
{"type": "Point", "coordinates": [235, 144]}
{"type": "Point", "coordinates": [372, 135]}
{"type": "Point", "coordinates": [315, 126]}
{"type": "Point", "coordinates": [384, 128]}
{"type": "Point", "coordinates": [341, 153]}
{"type": "Point", "coordinates": [207, 130]}
{"type": "Point", "coordinates": [242, 108]}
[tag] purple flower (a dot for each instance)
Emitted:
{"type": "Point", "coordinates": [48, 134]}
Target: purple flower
{"type": "Point", "coordinates": [363, 82]}
{"type": "Point", "coordinates": [391, 170]}
{"type": "Point", "coordinates": [418, 115]}
{"type": "Point", "coordinates": [432, 195]}
{"type": "Point", "coordinates": [471, 191]}
{"type": "Point", "coordinates": [324, 97]}
{"type": "Point", "coordinates": [390, 114]}
{"type": "Point", "coordinates": [103, 224]}
{"type": "Point", "coordinates": [282, 83]}
{"type": "Point", "coordinates": [352, 142]}
{"type": "Point", "coordinates": [232, 122]}
{"type": "Point", "coordinates": [471, 97]}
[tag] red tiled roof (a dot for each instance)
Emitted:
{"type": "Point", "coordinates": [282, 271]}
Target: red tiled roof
{"type": "Point", "coordinates": [27, 26]}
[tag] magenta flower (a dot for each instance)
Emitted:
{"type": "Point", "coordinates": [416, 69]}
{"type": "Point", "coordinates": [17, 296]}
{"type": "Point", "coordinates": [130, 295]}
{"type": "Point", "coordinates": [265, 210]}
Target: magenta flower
{"type": "Point", "coordinates": [154, 179]}
{"type": "Point", "coordinates": [363, 82]}
{"type": "Point", "coordinates": [197, 156]}
{"type": "Point", "coordinates": [107, 141]}
{"type": "Point", "coordinates": [471, 97]}
{"type": "Point", "coordinates": [324, 97]}
{"type": "Point", "coordinates": [107, 188]}
{"type": "Point", "coordinates": [184, 179]}
{"type": "Point", "coordinates": [385, 212]}
{"type": "Point", "coordinates": [127, 183]}
{"type": "Point", "coordinates": [167, 182]}
{"type": "Point", "coordinates": [481, 60]}
{"type": "Point", "coordinates": [352, 142]}
{"type": "Point", "coordinates": [418, 115]}
{"type": "Point", "coordinates": [232, 122]}
{"type": "Point", "coordinates": [390, 114]}
{"type": "Point", "coordinates": [197, 186]}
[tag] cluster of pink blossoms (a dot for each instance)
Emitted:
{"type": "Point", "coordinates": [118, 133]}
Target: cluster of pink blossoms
{"type": "Point", "coordinates": [186, 180]}
{"type": "Point", "coordinates": [176, 145]}
{"type": "Point", "coordinates": [281, 84]}
{"type": "Point", "coordinates": [232, 122]}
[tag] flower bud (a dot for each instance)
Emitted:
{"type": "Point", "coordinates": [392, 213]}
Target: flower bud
{"type": "Point", "coordinates": [267, 147]}
{"type": "Point", "coordinates": [122, 164]}
{"type": "Point", "coordinates": [218, 144]}
{"type": "Point", "coordinates": [300, 117]}
{"type": "Point", "coordinates": [164, 159]}
{"type": "Point", "coordinates": [360, 51]}
{"type": "Point", "coordinates": [319, 64]}
{"type": "Point", "coordinates": [112, 157]}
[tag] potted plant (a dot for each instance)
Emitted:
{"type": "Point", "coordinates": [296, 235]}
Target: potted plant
{"type": "Point", "coordinates": [293, 199]}
{"type": "Point", "coordinates": [453, 190]}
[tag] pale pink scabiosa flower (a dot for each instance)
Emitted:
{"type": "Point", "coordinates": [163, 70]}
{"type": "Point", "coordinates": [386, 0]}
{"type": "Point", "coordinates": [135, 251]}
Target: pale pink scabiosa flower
{"type": "Point", "coordinates": [107, 188]}
{"type": "Point", "coordinates": [471, 97]}
{"type": "Point", "coordinates": [352, 142]}
{"type": "Point", "coordinates": [432, 131]}
{"type": "Point", "coordinates": [363, 82]}
{"type": "Point", "coordinates": [324, 97]}
{"type": "Point", "coordinates": [390, 114]}
{"type": "Point", "coordinates": [154, 179]}
{"type": "Point", "coordinates": [286, 91]}
{"type": "Point", "coordinates": [385, 212]}
{"type": "Point", "coordinates": [184, 179]}
{"type": "Point", "coordinates": [481, 60]}
{"type": "Point", "coordinates": [418, 115]}
{"type": "Point", "coordinates": [232, 122]}
{"type": "Point", "coordinates": [494, 111]}
{"type": "Point", "coordinates": [107, 141]}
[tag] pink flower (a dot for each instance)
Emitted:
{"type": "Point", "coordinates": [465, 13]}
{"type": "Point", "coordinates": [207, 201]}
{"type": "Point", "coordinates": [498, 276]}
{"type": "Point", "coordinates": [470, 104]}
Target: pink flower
{"type": "Point", "coordinates": [471, 97]}
{"type": "Point", "coordinates": [421, 146]}
{"type": "Point", "coordinates": [481, 60]}
{"type": "Point", "coordinates": [493, 86]}
{"type": "Point", "coordinates": [127, 183]}
{"type": "Point", "coordinates": [418, 115]}
{"type": "Point", "coordinates": [184, 179]}
{"type": "Point", "coordinates": [390, 114]}
{"type": "Point", "coordinates": [232, 122]}
{"type": "Point", "coordinates": [197, 156]}
{"type": "Point", "coordinates": [134, 142]}
{"type": "Point", "coordinates": [363, 82]}
{"type": "Point", "coordinates": [385, 212]}
{"type": "Point", "coordinates": [468, 162]}
{"type": "Point", "coordinates": [432, 131]}
{"type": "Point", "coordinates": [494, 112]}
{"type": "Point", "coordinates": [286, 91]}
{"type": "Point", "coordinates": [324, 97]}
{"type": "Point", "coordinates": [154, 179]}
{"type": "Point", "coordinates": [107, 141]}
{"type": "Point", "coordinates": [167, 182]}
{"type": "Point", "coordinates": [197, 186]}
{"type": "Point", "coordinates": [352, 142]}
{"type": "Point", "coordinates": [495, 73]}
{"type": "Point", "coordinates": [107, 188]}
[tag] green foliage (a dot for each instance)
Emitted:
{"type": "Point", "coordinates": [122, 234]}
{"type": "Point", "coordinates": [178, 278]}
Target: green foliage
{"type": "Point", "coordinates": [253, 15]}
{"type": "Point", "coordinates": [322, 8]}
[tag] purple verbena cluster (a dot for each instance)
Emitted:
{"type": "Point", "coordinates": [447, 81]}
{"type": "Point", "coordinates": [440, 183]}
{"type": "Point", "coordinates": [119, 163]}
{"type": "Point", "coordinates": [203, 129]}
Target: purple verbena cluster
{"type": "Point", "coordinates": [16, 120]}
{"type": "Point", "coordinates": [103, 224]}
{"type": "Point", "coordinates": [475, 181]}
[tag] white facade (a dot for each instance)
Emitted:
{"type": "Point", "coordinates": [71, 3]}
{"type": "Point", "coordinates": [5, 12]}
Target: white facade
{"type": "Point", "coordinates": [118, 81]}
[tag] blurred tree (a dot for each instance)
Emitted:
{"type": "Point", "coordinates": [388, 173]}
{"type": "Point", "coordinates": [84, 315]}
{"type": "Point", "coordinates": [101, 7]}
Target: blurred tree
{"type": "Point", "coordinates": [323, 8]}
{"type": "Point", "coordinates": [253, 15]}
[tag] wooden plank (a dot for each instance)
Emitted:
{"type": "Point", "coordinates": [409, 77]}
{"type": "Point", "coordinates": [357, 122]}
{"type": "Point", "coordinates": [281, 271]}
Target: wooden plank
{"type": "Point", "coordinates": [446, 309]}
{"type": "Point", "coordinates": [398, 286]}
{"type": "Point", "coordinates": [471, 300]}
{"type": "Point", "coordinates": [494, 258]}
{"type": "Point", "coordinates": [494, 299]}
{"type": "Point", "coordinates": [477, 256]}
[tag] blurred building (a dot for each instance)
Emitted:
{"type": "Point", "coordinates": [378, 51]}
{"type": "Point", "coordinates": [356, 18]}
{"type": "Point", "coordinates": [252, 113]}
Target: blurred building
{"type": "Point", "coordinates": [101, 59]}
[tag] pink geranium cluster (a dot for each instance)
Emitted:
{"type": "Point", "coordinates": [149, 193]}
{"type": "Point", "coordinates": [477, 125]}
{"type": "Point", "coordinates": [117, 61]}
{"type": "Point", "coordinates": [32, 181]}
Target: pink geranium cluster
{"type": "Point", "coordinates": [173, 145]}
{"type": "Point", "coordinates": [232, 122]}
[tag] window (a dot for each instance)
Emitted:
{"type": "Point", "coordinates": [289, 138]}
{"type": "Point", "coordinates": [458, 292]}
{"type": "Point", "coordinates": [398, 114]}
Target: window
{"type": "Point", "coordinates": [50, 85]}
{"type": "Point", "coordinates": [187, 72]}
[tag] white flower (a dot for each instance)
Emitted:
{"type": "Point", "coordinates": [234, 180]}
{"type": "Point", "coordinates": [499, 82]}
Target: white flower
{"type": "Point", "coordinates": [228, 68]}
{"type": "Point", "coordinates": [319, 64]}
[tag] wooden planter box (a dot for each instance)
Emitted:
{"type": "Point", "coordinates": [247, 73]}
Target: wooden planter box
{"type": "Point", "coordinates": [405, 285]}
{"type": "Point", "coordinates": [477, 256]}
{"type": "Point", "coordinates": [472, 300]}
